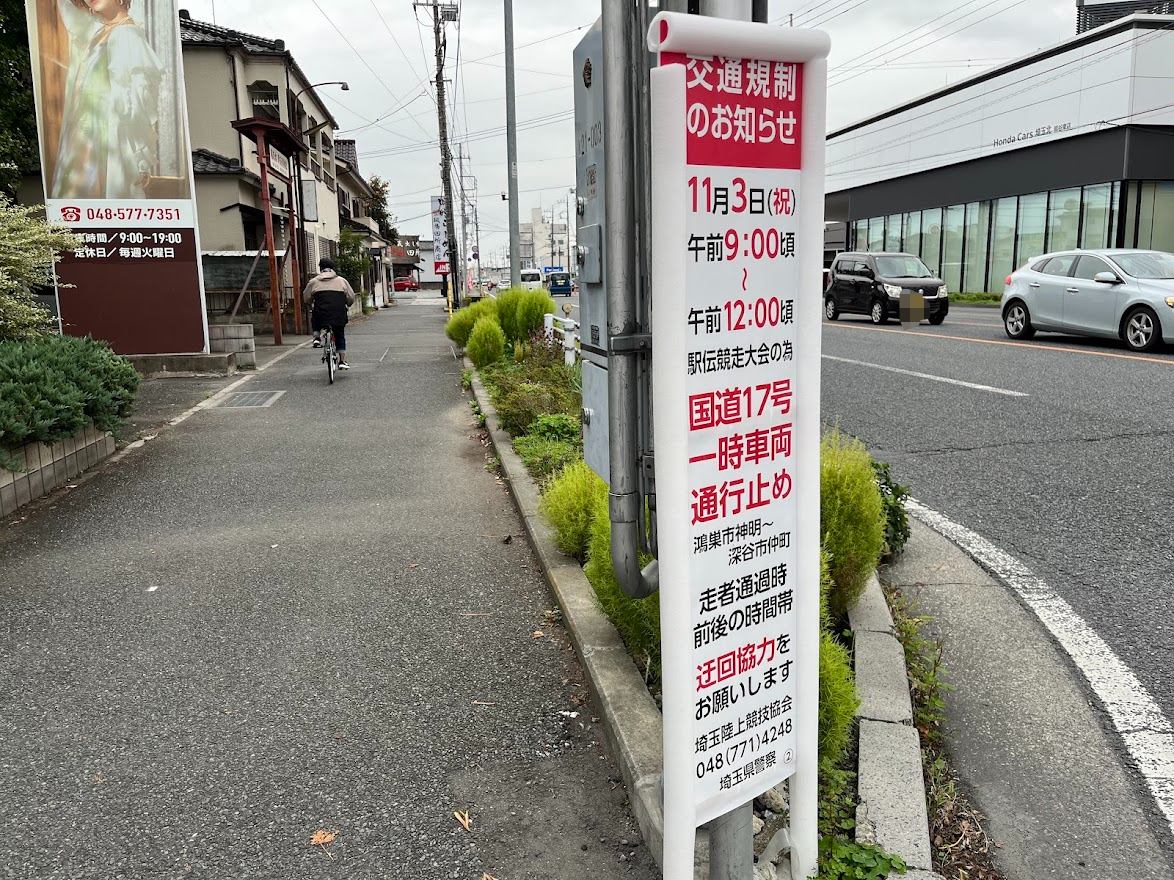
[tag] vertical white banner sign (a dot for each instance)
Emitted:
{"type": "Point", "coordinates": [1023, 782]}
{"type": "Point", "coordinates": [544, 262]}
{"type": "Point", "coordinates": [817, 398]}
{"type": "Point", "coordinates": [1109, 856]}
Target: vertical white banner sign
{"type": "Point", "coordinates": [439, 236]}
{"type": "Point", "coordinates": [737, 242]}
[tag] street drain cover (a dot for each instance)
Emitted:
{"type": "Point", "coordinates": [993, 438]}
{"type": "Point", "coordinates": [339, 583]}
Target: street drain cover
{"type": "Point", "coordinates": [241, 399]}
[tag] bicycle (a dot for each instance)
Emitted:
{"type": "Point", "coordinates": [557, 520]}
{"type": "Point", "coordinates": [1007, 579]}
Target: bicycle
{"type": "Point", "coordinates": [329, 353]}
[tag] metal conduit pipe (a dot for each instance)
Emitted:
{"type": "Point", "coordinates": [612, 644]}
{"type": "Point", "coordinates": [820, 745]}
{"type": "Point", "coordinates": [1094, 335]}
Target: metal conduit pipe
{"type": "Point", "coordinates": [620, 281]}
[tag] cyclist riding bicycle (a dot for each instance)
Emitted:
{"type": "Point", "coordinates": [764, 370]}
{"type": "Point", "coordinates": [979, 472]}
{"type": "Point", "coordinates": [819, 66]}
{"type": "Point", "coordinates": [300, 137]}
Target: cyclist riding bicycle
{"type": "Point", "coordinates": [329, 296]}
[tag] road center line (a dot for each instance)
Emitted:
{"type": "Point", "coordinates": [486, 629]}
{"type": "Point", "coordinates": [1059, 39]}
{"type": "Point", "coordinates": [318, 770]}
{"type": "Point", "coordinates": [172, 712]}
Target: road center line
{"type": "Point", "coordinates": [973, 385]}
{"type": "Point", "coordinates": [1139, 720]}
{"type": "Point", "coordinates": [1107, 354]}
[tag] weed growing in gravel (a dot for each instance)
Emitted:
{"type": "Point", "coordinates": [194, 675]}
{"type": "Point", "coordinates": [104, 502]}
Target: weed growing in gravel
{"type": "Point", "coordinates": [961, 850]}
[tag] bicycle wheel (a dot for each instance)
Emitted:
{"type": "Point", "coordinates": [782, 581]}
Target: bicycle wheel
{"type": "Point", "coordinates": [331, 357]}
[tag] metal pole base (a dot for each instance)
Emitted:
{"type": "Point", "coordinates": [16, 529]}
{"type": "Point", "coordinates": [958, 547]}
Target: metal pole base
{"type": "Point", "coordinates": [731, 845]}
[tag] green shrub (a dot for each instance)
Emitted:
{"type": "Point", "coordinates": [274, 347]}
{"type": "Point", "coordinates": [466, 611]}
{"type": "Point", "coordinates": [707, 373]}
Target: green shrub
{"type": "Point", "coordinates": [460, 325]}
{"type": "Point", "coordinates": [508, 302]}
{"type": "Point", "coordinates": [636, 620]}
{"type": "Point", "coordinates": [851, 520]}
{"type": "Point", "coordinates": [893, 496]}
{"type": "Point", "coordinates": [569, 502]}
{"type": "Point", "coordinates": [519, 407]}
{"type": "Point", "coordinates": [29, 247]}
{"type": "Point", "coordinates": [533, 306]}
{"type": "Point", "coordinates": [544, 456]}
{"type": "Point", "coordinates": [520, 312]}
{"type": "Point", "coordinates": [486, 343]}
{"type": "Point", "coordinates": [837, 698]}
{"type": "Point", "coordinates": [50, 388]}
{"type": "Point", "coordinates": [557, 426]}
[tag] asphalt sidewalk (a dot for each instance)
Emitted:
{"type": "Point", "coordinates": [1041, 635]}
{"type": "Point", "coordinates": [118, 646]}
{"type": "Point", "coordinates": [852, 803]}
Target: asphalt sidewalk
{"type": "Point", "coordinates": [273, 621]}
{"type": "Point", "coordinates": [1037, 757]}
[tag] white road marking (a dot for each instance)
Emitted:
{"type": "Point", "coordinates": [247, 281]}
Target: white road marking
{"type": "Point", "coordinates": [973, 385]}
{"type": "Point", "coordinates": [385, 354]}
{"type": "Point", "coordinates": [1148, 734]}
{"type": "Point", "coordinates": [151, 589]}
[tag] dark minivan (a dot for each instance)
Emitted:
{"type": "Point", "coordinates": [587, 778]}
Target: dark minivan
{"type": "Point", "coordinates": [872, 283]}
{"type": "Point", "coordinates": [559, 283]}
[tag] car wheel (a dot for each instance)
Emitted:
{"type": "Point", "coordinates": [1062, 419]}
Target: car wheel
{"type": "Point", "coordinates": [1142, 331]}
{"type": "Point", "coordinates": [829, 308]}
{"type": "Point", "coordinates": [1017, 321]}
{"type": "Point", "coordinates": [936, 319]}
{"type": "Point", "coordinates": [879, 312]}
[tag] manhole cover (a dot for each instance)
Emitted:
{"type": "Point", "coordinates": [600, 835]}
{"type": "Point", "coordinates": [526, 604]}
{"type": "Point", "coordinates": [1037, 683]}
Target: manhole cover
{"type": "Point", "coordinates": [240, 399]}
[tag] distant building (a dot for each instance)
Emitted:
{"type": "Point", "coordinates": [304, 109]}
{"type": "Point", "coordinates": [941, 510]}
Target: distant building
{"type": "Point", "coordinates": [542, 243]}
{"type": "Point", "coordinates": [1091, 14]}
{"type": "Point", "coordinates": [1068, 147]}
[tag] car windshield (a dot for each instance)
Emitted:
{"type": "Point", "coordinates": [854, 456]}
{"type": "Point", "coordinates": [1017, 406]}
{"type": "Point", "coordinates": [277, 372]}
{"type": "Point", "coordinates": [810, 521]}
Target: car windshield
{"type": "Point", "coordinates": [1151, 264]}
{"type": "Point", "coordinates": [902, 267]}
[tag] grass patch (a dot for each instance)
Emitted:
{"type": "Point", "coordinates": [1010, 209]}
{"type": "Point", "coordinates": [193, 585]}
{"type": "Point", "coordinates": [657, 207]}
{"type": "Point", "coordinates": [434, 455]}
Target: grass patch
{"type": "Point", "coordinates": [992, 299]}
{"type": "Point", "coordinates": [545, 456]}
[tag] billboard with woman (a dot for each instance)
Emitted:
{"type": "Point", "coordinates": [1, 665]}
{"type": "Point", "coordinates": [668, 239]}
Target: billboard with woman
{"type": "Point", "coordinates": [117, 167]}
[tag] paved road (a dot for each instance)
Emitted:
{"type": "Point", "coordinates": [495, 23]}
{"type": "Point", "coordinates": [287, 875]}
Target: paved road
{"type": "Point", "coordinates": [1074, 477]}
{"type": "Point", "coordinates": [273, 621]}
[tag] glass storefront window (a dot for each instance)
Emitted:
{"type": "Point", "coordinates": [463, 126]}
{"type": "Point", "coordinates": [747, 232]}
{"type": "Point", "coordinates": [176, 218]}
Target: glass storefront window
{"type": "Point", "coordinates": [1162, 238]}
{"type": "Point", "coordinates": [978, 224]}
{"type": "Point", "coordinates": [1145, 216]}
{"type": "Point", "coordinates": [1063, 219]}
{"type": "Point", "coordinates": [931, 240]}
{"type": "Point", "coordinates": [952, 231]}
{"type": "Point", "coordinates": [1033, 210]}
{"type": "Point", "coordinates": [1097, 212]}
{"type": "Point", "coordinates": [1002, 244]}
{"type": "Point", "coordinates": [860, 240]}
{"type": "Point", "coordinates": [893, 233]}
{"type": "Point", "coordinates": [1114, 213]}
{"type": "Point", "coordinates": [912, 233]}
{"type": "Point", "coordinates": [876, 234]}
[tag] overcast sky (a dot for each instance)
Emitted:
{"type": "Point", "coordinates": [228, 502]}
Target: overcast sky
{"type": "Point", "coordinates": [883, 52]}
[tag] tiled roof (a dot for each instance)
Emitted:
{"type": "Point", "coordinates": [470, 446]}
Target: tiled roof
{"type": "Point", "coordinates": [193, 31]}
{"type": "Point", "coordinates": [207, 162]}
{"type": "Point", "coordinates": [348, 151]}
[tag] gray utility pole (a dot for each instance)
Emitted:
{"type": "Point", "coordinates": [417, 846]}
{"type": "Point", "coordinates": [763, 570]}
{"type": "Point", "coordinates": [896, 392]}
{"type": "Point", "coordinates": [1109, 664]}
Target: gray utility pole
{"type": "Point", "coordinates": [464, 239]}
{"type": "Point", "coordinates": [511, 146]}
{"type": "Point", "coordinates": [440, 14]}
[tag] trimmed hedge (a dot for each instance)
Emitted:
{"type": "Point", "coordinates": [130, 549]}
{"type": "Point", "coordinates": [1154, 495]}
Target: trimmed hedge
{"type": "Point", "coordinates": [521, 312]}
{"type": "Point", "coordinates": [460, 325]}
{"type": "Point", "coordinates": [51, 388]}
{"type": "Point", "coordinates": [486, 343]}
{"type": "Point", "coordinates": [851, 518]}
{"type": "Point", "coordinates": [636, 620]}
{"type": "Point", "coordinates": [569, 503]}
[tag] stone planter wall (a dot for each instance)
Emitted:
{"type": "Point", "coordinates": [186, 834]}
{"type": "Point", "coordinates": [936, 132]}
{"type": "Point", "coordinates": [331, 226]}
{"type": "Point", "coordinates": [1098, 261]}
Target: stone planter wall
{"type": "Point", "coordinates": [47, 467]}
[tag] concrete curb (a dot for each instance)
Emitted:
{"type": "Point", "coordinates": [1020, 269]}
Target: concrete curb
{"type": "Point", "coordinates": [890, 782]}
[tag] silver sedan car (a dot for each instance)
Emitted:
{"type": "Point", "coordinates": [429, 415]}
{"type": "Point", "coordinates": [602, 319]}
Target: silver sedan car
{"type": "Point", "coordinates": [1114, 294]}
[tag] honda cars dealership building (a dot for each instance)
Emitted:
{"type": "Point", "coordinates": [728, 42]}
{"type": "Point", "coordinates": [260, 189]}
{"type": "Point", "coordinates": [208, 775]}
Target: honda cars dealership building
{"type": "Point", "coordinates": [1070, 147]}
